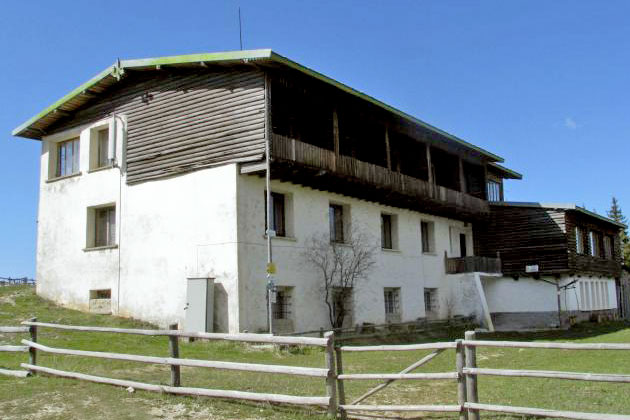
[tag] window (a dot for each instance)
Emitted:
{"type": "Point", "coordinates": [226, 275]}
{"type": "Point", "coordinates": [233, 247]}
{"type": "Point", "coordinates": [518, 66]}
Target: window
{"type": "Point", "coordinates": [387, 231]}
{"type": "Point", "coordinates": [579, 240]}
{"type": "Point", "coordinates": [277, 213]}
{"type": "Point", "coordinates": [67, 157]}
{"type": "Point", "coordinates": [428, 238]}
{"type": "Point", "coordinates": [102, 148]}
{"type": "Point", "coordinates": [462, 245]}
{"type": "Point", "coordinates": [281, 308]}
{"type": "Point", "coordinates": [392, 304]}
{"type": "Point", "coordinates": [493, 190]}
{"type": "Point", "coordinates": [335, 217]}
{"type": "Point", "coordinates": [105, 226]}
{"type": "Point", "coordinates": [594, 239]}
{"type": "Point", "coordinates": [608, 247]}
{"type": "Point", "coordinates": [430, 301]}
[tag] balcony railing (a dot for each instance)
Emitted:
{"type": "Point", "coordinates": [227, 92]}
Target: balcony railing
{"type": "Point", "coordinates": [288, 149]}
{"type": "Point", "coordinates": [472, 264]}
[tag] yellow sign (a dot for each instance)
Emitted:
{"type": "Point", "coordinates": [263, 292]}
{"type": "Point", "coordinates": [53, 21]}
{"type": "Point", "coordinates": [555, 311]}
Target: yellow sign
{"type": "Point", "coordinates": [271, 268]}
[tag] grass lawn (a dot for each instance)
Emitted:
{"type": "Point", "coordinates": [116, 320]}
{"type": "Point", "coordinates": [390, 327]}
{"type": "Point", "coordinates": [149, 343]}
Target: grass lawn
{"type": "Point", "coordinates": [42, 397]}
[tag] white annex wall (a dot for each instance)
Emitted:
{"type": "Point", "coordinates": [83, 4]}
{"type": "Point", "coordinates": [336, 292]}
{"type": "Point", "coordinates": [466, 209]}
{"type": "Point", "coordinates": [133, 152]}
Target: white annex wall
{"type": "Point", "coordinates": [307, 214]}
{"type": "Point", "coordinates": [65, 271]}
{"type": "Point", "coordinates": [166, 231]}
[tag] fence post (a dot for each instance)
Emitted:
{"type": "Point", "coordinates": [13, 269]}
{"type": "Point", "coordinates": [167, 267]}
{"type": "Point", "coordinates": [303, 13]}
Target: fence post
{"type": "Point", "coordinates": [331, 379]}
{"type": "Point", "coordinates": [32, 352]}
{"type": "Point", "coordinates": [340, 388]}
{"type": "Point", "coordinates": [471, 380]}
{"type": "Point", "coordinates": [173, 347]}
{"type": "Point", "coordinates": [461, 379]}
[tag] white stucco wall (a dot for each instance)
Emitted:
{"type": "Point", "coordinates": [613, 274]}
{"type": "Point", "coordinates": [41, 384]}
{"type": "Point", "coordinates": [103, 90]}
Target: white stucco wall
{"type": "Point", "coordinates": [504, 294]}
{"type": "Point", "coordinates": [405, 267]}
{"type": "Point", "coordinates": [168, 230]}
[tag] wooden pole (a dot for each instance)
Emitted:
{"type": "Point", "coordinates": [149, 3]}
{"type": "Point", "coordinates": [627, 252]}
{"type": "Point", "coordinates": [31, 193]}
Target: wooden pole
{"type": "Point", "coordinates": [173, 348]}
{"type": "Point", "coordinates": [471, 380]}
{"type": "Point", "coordinates": [341, 392]}
{"type": "Point", "coordinates": [336, 136]}
{"type": "Point", "coordinates": [460, 360]}
{"type": "Point", "coordinates": [331, 380]}
{"type": "Point", "coordinates": [32, 352]}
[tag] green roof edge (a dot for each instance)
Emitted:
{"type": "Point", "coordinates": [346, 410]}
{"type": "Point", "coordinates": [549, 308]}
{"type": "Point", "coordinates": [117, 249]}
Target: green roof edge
{"type": "Point", "coordinates": [237, 56]}
{"type": "Point", "coordinates": [515, 174]}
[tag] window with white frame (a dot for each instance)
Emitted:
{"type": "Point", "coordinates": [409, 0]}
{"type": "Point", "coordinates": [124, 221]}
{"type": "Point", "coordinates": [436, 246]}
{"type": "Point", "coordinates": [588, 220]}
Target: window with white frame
{"type": "Point", "coordinates": [493, 190]}
{"type": "Point", "coordinates": [427, 233]}
{"type": "Point", "coordinates": [67, 157]}
{"type": "Point", "coordinates": [101, 226]}
{"type": "Point", "coordinates": [392, 304]}
{"type": "Point", "coordinates": [579, 240]}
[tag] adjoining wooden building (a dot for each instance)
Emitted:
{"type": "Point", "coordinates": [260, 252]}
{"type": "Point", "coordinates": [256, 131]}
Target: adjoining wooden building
{"type": "Point", "coordinates": [566, 255]}
{"type": "Point", "coordinates": [152, 196]}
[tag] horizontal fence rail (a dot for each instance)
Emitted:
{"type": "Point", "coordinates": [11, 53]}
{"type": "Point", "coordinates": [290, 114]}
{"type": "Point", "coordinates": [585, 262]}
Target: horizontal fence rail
{"type": "Point", "coordinates": [548, 345]}
{"type": "Point", "coordinates": [247, 367]}
{"type": "Point", "coordinates": [14, 349]}
{"type": "Point", "coordinates": [241, 395]}
{"type": "Point", "coordinates": [541, 412]}
{"type": "Point", "coordinates": [576, 376]}
{"type": "Point", "coordinates": [246, 338]}
{"type": "Point", "coordinates": [401, 347]}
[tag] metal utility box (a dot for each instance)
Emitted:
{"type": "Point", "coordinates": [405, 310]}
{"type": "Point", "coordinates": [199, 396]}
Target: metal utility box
{"type": "Point", "coordinates": [199, 304]}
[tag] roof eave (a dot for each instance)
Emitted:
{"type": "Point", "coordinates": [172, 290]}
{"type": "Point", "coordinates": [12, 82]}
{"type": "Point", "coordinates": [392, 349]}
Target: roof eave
{"type": "Point", "coordinates": [236, 56]}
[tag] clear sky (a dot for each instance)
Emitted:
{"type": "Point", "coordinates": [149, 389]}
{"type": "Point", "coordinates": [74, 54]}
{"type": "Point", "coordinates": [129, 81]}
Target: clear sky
{"type": "Point", "coordinates": [545, 84]}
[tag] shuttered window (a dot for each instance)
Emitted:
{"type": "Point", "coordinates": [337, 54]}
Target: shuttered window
{"type": "Point", "coordinates": [428, 241]}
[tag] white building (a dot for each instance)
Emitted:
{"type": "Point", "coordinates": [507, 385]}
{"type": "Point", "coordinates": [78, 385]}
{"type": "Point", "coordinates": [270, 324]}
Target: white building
{"type": "Point", "coordinates": [153, 177]}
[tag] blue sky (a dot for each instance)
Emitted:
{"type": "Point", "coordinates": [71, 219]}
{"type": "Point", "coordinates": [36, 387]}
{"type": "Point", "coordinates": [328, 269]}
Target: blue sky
{"type": "Point", "coordinates": [543, 84]}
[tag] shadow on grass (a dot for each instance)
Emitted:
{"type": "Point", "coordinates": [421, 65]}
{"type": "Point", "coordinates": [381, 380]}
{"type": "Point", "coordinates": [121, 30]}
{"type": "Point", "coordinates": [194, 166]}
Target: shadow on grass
{"type": "Point", "coordinates": [580, 331]}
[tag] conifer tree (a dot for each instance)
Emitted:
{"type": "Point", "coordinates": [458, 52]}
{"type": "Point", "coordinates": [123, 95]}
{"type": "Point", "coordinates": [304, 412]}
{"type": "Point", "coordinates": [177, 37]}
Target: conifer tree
{"type": "Point", "coordinates": [616, 214]}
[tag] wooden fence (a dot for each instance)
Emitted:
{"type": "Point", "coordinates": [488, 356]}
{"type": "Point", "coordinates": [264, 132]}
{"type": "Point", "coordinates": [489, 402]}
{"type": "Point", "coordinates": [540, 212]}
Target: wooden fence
{"type": "Point", "coordinates": [465, 372]}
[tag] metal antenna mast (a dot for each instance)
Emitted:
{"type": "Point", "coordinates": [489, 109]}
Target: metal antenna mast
{"type": "Point", "coordinates": [240, 27]}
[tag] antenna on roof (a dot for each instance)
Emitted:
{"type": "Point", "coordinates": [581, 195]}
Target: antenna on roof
{"type": "Point", "coordinates": [240, 27]}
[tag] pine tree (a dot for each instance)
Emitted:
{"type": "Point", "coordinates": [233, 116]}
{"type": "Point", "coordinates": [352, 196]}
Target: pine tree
{"type": "Point", "coordinates": [616, 214]}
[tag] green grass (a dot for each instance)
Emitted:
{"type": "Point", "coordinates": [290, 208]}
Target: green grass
{"type": "Point", "coordinates": [43, 397]}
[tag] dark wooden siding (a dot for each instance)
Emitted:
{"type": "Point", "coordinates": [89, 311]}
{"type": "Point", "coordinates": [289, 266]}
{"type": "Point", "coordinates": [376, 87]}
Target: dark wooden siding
{"type": "Point", "coordinates": [182, 121]}
{"type": "Point", "coordinates": [524, 236]}
{"type": "Point", "coordinates": [585, 263]}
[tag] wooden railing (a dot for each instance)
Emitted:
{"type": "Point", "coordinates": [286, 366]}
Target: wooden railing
{"type": "Point", "coordinates": [472, 264]}
{"type": "Point", "coordinates": [465, 371]}
{"type": "Point", "coordinates": [13, 348]}
{"type": "Point", "coordinates": [285, 148]}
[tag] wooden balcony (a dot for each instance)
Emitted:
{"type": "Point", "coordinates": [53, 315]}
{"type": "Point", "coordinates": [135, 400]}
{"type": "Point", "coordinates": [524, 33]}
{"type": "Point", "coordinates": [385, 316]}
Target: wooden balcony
{"type": "Point", "coordinates": [350, 176]}
{"type": "Point", "coordinates": [472, 264]}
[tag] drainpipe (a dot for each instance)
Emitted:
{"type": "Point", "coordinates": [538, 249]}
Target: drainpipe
{"type": "Point", "coordinates": [269, 232]}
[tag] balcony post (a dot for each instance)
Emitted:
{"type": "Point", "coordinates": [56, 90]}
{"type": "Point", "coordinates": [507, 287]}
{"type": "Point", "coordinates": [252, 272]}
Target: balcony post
{"type": "Point", "coordinates": [387, 149]}
{"type": "Point", "coordinates": [462, 177]}
{"type": "Point", "coordinates": [336, 136]}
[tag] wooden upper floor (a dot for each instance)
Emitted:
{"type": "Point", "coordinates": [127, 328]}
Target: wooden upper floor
{"type": "Point", "coordinates": [549, 239]}
{"type": "Point", "coordinates": [190, 112]}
